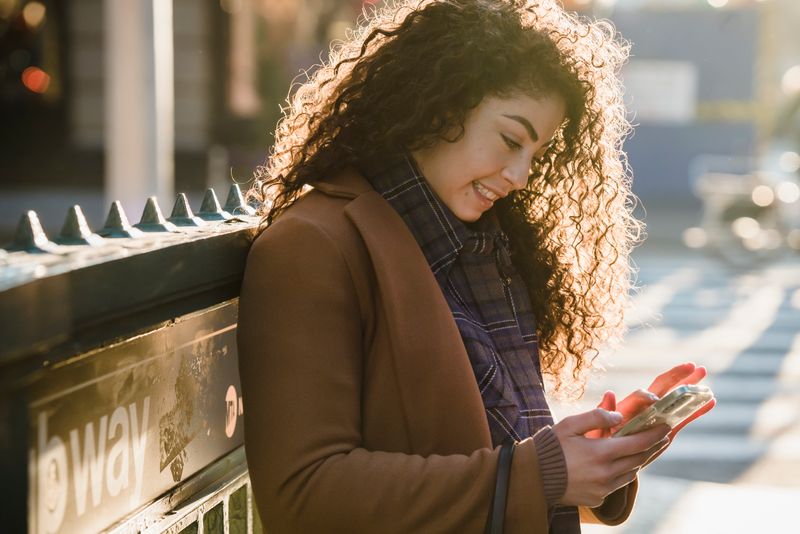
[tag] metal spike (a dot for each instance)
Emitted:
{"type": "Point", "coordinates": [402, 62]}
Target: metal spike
{"type": "Point", "coordinates": [153, 220]}
{"type": "Point", "coordinates": [76, 231]}
{"type": "Point", "coordinates": [210, 210]}
{"type": "Point", "coordinates": [235, 203]}
{"type": "Point", "coordinates": [117, 224]}
{"type": "Point", "coordinates": [30, 236]}
{"type": "Point", "coordinates": [182, 214]}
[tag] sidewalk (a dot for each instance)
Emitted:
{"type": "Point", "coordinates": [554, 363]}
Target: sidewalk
{"type": "Point", "coordinates": [673, 506]}
{"type": "Point", "coordinates": [738, 469]}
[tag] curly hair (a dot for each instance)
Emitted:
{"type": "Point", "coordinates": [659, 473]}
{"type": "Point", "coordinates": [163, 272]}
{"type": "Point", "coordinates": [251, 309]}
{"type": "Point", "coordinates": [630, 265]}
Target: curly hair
{"type": "Point", "coordinates": [412, 72]}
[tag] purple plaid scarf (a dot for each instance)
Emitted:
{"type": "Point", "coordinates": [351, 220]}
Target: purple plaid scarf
{"type": "Point", "coordinates": [490, 305]}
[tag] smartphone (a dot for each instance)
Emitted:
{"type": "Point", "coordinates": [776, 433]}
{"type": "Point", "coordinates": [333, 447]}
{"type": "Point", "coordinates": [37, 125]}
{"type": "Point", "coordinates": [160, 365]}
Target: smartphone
{"type": "Point", "coordinates": [671, 409]}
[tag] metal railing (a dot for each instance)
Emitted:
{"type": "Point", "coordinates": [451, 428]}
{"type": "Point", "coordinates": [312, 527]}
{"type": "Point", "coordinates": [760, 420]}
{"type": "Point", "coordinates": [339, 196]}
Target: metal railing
{"type": "Point", "coordinates": [120, 408]}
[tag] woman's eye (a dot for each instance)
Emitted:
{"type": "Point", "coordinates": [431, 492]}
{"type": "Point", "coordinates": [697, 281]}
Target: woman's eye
{"type": "Point", "coordinates": [513, 145]}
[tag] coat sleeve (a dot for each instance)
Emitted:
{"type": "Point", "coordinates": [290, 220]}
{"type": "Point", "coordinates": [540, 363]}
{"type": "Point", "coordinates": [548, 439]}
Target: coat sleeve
{"type": "Point", "coordinates": [300, 360]}
{"type": "Point", "coordinates": [615, 508]}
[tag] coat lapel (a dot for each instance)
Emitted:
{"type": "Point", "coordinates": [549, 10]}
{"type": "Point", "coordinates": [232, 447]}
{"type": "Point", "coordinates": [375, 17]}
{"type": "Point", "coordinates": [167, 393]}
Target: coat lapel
{"type": "Point", "coordinates": [439, 393]}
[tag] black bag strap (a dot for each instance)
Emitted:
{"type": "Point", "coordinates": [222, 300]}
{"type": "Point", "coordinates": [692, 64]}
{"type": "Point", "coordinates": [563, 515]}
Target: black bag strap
{"type": "Point", "coordinates": [497, 511]}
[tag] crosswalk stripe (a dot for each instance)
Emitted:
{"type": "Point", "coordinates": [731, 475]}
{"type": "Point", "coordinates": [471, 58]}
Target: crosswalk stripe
{"type": "Point", "coordinates": [746, 329]}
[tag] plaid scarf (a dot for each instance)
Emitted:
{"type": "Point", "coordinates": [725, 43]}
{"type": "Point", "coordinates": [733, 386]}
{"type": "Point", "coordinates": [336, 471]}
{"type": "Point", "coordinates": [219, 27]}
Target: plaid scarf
{"type": "Point", "coordinates": [489, 302]}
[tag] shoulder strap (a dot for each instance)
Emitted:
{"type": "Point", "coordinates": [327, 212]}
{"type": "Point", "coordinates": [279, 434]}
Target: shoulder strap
{"type": "Point", "coordinates": [497, 511]}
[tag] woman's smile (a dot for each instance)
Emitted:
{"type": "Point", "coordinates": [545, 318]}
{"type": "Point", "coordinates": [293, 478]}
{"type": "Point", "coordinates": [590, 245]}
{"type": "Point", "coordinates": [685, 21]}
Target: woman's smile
{"type": "Point", "coordinates": [484, 193]}
{"type": "Point", "coordinates": [493, 157]}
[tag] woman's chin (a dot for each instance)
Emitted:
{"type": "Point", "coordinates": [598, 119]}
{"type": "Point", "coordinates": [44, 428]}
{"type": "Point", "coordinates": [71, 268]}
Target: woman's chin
{"type": "Point", "coordinates": [469, 215]}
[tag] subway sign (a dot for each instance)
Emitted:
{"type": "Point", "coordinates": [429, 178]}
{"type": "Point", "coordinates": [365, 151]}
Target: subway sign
{"type": "Point", "coordinates": [112, 429]}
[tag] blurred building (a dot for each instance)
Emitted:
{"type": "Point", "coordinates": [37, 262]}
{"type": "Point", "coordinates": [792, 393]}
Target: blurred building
{"type": "Point", "coordinates": [705, 77]}
{"type": "Point", "coordinates": [233, 64]}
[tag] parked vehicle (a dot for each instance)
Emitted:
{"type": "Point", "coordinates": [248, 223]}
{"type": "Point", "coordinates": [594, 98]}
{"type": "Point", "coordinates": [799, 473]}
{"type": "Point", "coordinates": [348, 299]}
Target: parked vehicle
{"type": "Point", "coordinates": [751, 212]}
{"type": "Point", "coordinates": [751, 206]}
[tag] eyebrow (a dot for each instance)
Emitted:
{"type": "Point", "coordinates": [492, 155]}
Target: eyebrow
{"type": "Point", "coordinates": [526, 123]}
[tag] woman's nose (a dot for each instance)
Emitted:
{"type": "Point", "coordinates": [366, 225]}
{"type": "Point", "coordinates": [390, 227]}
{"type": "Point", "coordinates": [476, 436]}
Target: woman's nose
{"type": "Point", "coordinates": [516, 174]}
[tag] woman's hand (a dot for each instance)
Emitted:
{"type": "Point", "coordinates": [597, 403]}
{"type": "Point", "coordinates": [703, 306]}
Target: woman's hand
{"type": "Point", "coordinates": [597, 467]}
{"type": "Point", "coordinates": [680, 375]}
{"type": "Point", "coordinates": [633, 404]}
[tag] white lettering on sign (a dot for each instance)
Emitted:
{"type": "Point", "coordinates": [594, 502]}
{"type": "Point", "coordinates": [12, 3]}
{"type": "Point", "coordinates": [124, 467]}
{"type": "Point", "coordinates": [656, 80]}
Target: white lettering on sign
{"type": "Point", "coordinates": [126, 438]}
{"type": "Point", "coordinates": [230, 411]}
{"type": "Point", "coordinates": [92, 462]}
{"type": "Point", "coordinates": [117, 479]}
{"type": "Point", "coordinates": [138, 441]}
{"type": "Point", "coordinates": [233, 409]}
{"type": "Point", "coordinates": [52, 479]}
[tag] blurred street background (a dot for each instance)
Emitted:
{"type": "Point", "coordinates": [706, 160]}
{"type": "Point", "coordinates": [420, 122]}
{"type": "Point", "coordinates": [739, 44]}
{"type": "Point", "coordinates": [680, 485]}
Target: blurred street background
{"type": "Point", "coordinates": [725, 471]}
{"type": "Point", "coordinates": [122, 99]}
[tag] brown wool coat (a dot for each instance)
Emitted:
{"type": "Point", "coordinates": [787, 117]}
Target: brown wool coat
{"type": "Point", "coordinates": [362, 413]}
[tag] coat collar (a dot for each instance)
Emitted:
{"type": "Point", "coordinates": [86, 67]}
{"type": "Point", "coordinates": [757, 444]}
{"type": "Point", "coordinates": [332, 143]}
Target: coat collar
{"type": "Point", "coordinates": [431, 363]}
{"type": "Point", "coordinates": [348, 183]}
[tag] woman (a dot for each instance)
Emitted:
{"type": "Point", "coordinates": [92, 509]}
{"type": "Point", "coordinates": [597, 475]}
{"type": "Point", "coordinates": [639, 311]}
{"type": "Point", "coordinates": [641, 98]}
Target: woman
{"type": "Point", "coordinates": [449, 223]}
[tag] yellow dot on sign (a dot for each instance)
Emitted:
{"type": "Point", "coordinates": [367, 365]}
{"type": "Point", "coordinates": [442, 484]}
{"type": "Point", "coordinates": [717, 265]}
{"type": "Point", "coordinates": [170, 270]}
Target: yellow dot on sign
{"type": "Point", "coordinates": [789, 161]}
{"type": "Point", "coordinates": [790, 83]}
{"type": "Point", "coordinates": [717, 3]}
{"type": "Point", "coordinates": [788, 192]}
{"type": "Point", "coordinates": [695, 237]}
{"type": "Point", "coordinates": [33, 14]}
{"type": "Point", "coordinates": [762, 195]}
